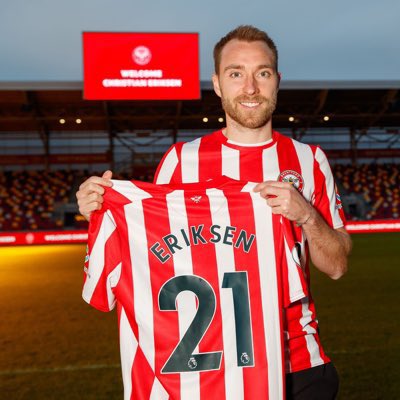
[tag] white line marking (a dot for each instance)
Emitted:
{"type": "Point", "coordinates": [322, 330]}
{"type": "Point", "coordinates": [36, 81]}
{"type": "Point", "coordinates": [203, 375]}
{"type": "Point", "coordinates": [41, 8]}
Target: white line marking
{"type": "Point", "coordinates": [58, 369]}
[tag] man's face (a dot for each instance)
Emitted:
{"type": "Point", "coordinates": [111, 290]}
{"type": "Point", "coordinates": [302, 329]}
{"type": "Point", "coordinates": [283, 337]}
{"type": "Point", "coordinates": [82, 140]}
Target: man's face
{"type": "Point", "coordinates": [247, 83]}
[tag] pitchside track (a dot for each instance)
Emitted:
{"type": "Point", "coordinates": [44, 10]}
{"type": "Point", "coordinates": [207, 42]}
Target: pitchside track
{"type": "Point", "coordinates": [54, 346]}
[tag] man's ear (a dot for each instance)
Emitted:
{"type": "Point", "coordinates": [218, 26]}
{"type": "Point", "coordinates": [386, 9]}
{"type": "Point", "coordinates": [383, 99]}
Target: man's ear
{"type": "Point", "coordinates": [215, 81]}
{"type": "Point", "coordinates": [279, 78]}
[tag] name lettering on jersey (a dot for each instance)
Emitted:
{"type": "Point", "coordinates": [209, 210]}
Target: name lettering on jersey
{"type": "Point", "coordinates": [195, 235]}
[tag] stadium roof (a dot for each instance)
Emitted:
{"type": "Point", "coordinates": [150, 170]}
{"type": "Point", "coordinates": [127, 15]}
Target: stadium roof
{"type": "Point", "coordinates": [40, 110]}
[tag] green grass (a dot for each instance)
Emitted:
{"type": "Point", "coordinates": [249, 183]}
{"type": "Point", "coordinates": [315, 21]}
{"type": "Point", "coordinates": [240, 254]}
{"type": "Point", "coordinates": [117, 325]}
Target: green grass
{"type": "Point", "coordinates": [54, 346]}
{"type": "Point", "coordinates": [359, 318]}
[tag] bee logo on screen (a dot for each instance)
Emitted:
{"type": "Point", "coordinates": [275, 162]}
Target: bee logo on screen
{"type": "Point", "coordinates": [141, 55]}
{"type": "Point", "coordinates": [30, 238]}
{"type": "Point", "coordinates": [292, 177]}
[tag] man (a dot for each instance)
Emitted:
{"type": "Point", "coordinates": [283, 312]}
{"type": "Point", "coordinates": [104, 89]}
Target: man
{"type": "Point", "coordinates": [247, 80]}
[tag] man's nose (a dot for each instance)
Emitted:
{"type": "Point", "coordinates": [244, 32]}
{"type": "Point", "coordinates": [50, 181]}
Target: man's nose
{"type": "Point", "coordinates": [250, 85]}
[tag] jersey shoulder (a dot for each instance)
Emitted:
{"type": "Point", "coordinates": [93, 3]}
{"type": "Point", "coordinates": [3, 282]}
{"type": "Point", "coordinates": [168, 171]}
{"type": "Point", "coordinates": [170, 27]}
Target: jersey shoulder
{"type": "Point", "coordinates": [300, 146]}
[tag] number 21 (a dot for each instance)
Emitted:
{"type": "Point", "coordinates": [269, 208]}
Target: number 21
{"type": "Point", "coordinates": [182, 358]}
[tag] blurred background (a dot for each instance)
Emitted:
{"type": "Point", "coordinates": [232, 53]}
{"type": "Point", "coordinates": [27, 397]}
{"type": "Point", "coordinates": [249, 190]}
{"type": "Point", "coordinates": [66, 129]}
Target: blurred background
{"type": "Point", "coordinates": [340, 65]}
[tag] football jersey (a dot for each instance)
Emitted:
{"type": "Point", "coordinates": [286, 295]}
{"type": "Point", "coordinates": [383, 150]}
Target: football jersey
{"type": "Point", "coordinates": [200, 286]}
{"type": "Point", "coordinates": [283, 159]}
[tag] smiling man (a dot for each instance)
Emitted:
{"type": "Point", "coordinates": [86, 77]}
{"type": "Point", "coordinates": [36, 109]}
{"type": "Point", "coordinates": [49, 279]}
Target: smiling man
{"type": "Point", "coordinates": [295, 179]}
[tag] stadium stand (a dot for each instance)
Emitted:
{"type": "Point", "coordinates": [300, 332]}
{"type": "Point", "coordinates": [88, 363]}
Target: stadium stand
{"type": "Point", "coordinates": [39, 200]}
{"type": "Point", "coordinates": [35, 200]}
{"type": "Point", "coordinates": [369, 191]}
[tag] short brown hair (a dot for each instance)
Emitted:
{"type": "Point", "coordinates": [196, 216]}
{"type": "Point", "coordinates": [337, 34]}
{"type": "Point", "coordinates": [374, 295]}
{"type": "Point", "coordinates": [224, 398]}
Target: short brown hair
{"type": "Point", "coordinates": [246, 33]}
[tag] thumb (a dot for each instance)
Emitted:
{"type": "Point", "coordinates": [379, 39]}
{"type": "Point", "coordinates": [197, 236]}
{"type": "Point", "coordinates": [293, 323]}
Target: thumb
{"type": "Point", "coordinates": [107, 174]}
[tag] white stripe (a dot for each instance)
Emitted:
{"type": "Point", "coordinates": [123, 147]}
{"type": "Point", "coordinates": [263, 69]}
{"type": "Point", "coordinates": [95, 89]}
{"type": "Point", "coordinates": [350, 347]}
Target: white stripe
{"type": "Point", "coordinates": [226, 263]}
{"type": "Point", "coordinates": [97, 260]}
{"type": "Point", "coordinates": [330, 187]}
{"type": "Point", "coordinates": [142, 293]}
{"type": "Point", "coordinates": [112, 281]}
{"type": "Point", "coordinates": [186, 301]}
{"type": "Point", "coordinates": [167, 167]}
{"type": "Point", "coordinates": [270, 163]}
{"type": "Point", "coordinates": [158, 392]}
{"type": "Point", "coordinates": [306, 160]}
{"type": "Point", "coordinates": [128, 348]}
{"type": "Point", "coordinates": [130, 190]}
{"type": "Point", "coordinates": [312, 344]}
{"type": "Point", "coordinates": [295, 287]}
{"type": "Point", "coordinates": [269, 294]}
{"type": "Point", "coordinates": [190, 161]}
{"type": "Point", "coordinates": [230, 162]}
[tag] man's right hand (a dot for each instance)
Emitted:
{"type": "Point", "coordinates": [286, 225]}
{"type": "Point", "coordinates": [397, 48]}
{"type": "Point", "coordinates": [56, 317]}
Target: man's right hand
{"type": "Point", "coordinates": [90, 193]}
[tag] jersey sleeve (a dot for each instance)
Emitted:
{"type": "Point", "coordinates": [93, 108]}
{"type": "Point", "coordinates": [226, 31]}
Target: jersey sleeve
{"type": "Point", "coordinates": [168, 168]}
{"type": "Point", "coordinates": [326, 197]}
{"type": "Point", "coordinates": [102, 263]}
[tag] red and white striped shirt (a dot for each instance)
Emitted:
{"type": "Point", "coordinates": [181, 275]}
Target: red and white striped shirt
{"type": "Point", "coordinates": [284, 159]}
{"type": "Point", "coordinates": [200, 287]}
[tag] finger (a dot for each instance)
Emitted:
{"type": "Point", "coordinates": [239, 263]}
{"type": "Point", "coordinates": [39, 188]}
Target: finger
{"type": "Point", "coordinates": [274, 201]}
{"type": "Point", "coordinates": [90, 188]}
{"type": "Point", "coordinates": [89, 199]}
{"type": "Point", "coordinates": [95, 180]}
{"type": "Point", "coordinates": [269, 191]}
{"type": "Point", "coordinates": [107, 174]}
{"type": "Point", "coordinates": [90, 203]}
{"type": "Point", "coordinates": [260, 186]}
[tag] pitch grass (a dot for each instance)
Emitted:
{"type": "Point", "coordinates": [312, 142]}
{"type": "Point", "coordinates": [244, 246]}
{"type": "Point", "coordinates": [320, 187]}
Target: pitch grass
{"type": "Point", "coordinates": [54, 346]}
{"type": "Point", "coordinates": [360, 318]}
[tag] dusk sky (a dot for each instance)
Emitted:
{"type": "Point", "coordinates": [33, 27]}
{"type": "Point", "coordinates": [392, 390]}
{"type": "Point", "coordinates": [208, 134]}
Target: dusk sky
{"type": "Point", "coordinates": [318, 40]}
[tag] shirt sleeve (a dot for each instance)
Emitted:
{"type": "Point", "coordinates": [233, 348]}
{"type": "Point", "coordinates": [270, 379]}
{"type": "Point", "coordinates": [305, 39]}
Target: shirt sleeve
{"type": "Point", "coordinates": [168, 167]}
{"type": "Point", "coordinates": [326, 197]}
{"type": "Point", "coordinates": [102, 263]}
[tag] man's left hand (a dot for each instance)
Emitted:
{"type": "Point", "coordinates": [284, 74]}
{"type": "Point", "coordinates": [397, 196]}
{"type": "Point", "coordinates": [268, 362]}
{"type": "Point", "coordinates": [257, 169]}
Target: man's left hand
{"type": "Point", "coordinates": [285, 199]}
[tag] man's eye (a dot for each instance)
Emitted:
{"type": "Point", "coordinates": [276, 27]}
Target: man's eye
{"type": "Point", "coordinates": [265, 74]}
{"type": "Point", "coordinates": [235, 74]}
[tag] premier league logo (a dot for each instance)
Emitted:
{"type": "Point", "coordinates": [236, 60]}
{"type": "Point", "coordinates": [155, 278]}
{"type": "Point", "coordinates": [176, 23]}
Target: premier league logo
{"type": "Point", "coordinates": [141, 55]}
{"type": "Point", "coordinates": [292, 177]}
{"type": "Point", "coordinates": [244, 358]}
{"type": "Point", "coordinates": [192, 363]}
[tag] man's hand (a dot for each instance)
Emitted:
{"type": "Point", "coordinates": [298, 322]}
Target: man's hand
{"type": "Point", "coordinates": [284, 199]}
{"type": "Point", "coordinates": [90, 193]}
{"type": "Point", "coordinates": [329, 248]}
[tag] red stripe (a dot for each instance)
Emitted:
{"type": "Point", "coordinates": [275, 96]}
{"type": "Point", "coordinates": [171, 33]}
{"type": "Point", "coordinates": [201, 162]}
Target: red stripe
{"type": "Point", "coordinates": [166, 323]}
{"type": "Point", "coordinates": [210, 161]}
{"type": "Point", "coordinates": [287, 155]}
{"type": "Point", "coordinates": [321, 202]}
{"type": "Point", "coordinates": [205, 265]}
{"type": "Point", "coordinates": [111, 259]}
{"type": "Point", "coordinates": [282, 280]}
{"type": "Point", "coordinates": [142, 377]}
{"type": "Point", "coordinates": [124, 289]}
{"type": "Point", "coordinates": [93, 232]}
{"type": "Point", "coordinates": [251, 164]}
{"type": "Point", "coordinates": [255, 379]}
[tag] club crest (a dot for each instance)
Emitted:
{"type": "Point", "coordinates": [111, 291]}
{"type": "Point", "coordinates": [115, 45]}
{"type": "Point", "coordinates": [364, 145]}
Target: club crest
{"type": "Point", "coordinates": [141, 55]}
{"type": "Point", "coordinates": [292, 177]}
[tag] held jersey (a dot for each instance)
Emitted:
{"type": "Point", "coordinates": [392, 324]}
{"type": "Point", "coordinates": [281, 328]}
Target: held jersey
{"type": "Point", "coordinates": [283, 159]}
{"type": "Point", "coordinates": [200, 286]}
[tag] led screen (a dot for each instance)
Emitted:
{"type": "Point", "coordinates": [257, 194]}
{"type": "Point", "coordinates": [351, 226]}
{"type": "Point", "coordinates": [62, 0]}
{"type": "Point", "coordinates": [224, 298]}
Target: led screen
{"type": "Point", "coordinates": [141, 66]}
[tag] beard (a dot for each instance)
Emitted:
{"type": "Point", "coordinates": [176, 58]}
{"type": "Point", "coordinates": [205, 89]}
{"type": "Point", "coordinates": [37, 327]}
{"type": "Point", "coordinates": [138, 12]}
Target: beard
{"type": "Point", "coordinates": [250, 118]}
